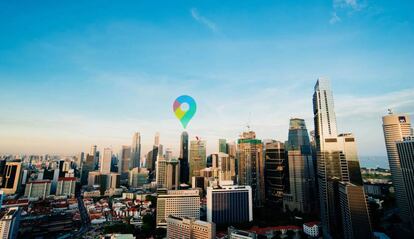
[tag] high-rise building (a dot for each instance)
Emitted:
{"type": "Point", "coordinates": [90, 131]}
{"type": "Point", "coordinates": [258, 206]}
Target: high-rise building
{"type": "Point", "coordinates": [184, 167]}
{"type": "Point", "coordinates": [173, 174]}
{"type": "Point", "coordinates": [167, 173]}
{"type": "Point", "coordinates": [38, 189]}
{"type": "Point", "coordinates": [225, 166]}
{"type": "Point", "coordinates": [95, 153]}
{"type": "Point", "coordinates": [338, 164]}
{"type": "Point", "coordinates": [66, 187]}
{"type": "Point", "coordinates": [324, 114]}
{"type": "Point", "coordinates": [355, 219]}
{"type": "Point", "coordinates": [396, 128]}
{"type": "Point", "coordinates": [178, 203]}
{"type": "Point", "coordinates": [9, 223]}
{"type": "Point", "coordinates": [301, 171]}
{"type": "Point", "coordinates": [135, 151]}
{"type": "Point", "coordinates": [124, 161]}
{"type": "Point", "coordinates": [178, 228]}
{"type": "Point", "coordinates": [161, 172]}
{"type": "Point", "coordinates": [276, 174]}
{"type": "Point", "coordinates": [222, 146]}
{"type": "Point", "coordinates": [11, 177]}
{"type": "Point", "coordinates": [251, 165]}
{"type": "Point", "coordinates": [229, 204]}
{"type": "Point", "coordinates": [197, 157]}
{"type": "Point", "coordinates": [405, 150]}
{"type": "Point", "coordinates": [138, 177]}
{"type": "Point", "coordinates": [88, 165]}
{"type": "Point", "coordinates": [106, 160]}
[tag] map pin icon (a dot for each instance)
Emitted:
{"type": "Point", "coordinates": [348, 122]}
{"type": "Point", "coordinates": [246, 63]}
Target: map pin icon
{"type": "Point", "coordinates": [184, 108]}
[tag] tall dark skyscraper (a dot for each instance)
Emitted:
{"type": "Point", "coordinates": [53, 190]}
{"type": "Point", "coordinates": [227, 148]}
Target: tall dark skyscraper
{"type": "Point", "coordinates": [276, 173]}
{"type": "Point", "coordinates": [88, 165]}
{"type": "Point", "coordinates": [339, 176]}
{"type": "Point", "coordinates": [184, 167]}
{"type": "Point", "coordinates": [302, 185]}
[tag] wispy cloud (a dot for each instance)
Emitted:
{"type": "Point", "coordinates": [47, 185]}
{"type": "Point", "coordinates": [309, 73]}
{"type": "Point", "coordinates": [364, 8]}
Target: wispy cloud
{"type": "Point", "coordinates": [334, 18]}
{"type": "Point", "coordinates": [345, 6]}
{"type": "Point", "coordinates": [203, 20]}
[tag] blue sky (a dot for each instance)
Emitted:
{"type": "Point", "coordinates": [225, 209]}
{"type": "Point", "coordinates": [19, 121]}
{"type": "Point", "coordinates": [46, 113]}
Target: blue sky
{"type": "Point", "coordinates": [76, 73]}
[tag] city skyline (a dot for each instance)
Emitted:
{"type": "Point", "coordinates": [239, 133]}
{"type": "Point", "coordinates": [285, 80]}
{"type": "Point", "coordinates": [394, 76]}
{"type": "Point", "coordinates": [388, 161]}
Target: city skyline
{"type": "Point", "coordinates": [107, 74]}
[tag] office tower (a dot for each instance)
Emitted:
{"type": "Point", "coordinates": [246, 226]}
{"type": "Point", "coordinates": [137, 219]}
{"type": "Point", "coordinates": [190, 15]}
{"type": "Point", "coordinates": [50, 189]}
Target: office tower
{"type": "Point", "coordinates": [209, 161]}
{"type": "Point", "coordinates": [396, 127]}
{"type": "Point", "coordinates": [157, 139]}
{"type": "Point", "coordinates": [11, 177]}
{"type": "Point", "coordinates": [338, 164]}
{"type": "Point", "coordinates": [173, 174]}
{"type": "Point", "coordinates": [229, 204]}
{"type": "Point", "coordinates": [9, 223]}
{"type": "Point", "coordinates": [1, 197]}
{"type": "Point", "coordinates": [161, 172]}
{"type": "Point", "coordinates": [355, 219]}
{"type": "Point", "coordinates": [38, 189]}
{"type": "Point", "coordinates": [233, 233]}
{"type": "Point", "coordinates": [324, 114]}
{"type": "Point", "coordinates": [150, 161]}
{"type": "Point", "coordinates": [66, 187]}
{"type": "Point", "coordinates": [222, 146]}
{"type": "Point", "coordinates": [178, 228]}
{"type": "Point", "coordinates": [138, 177]}
{"type": "Point", "coordinates": [405, 150]}
{"type": "Point", "coordinates": [197, 157]}
{"type": "Point", "coordinates": [168, 154]}
{"type": "Point", "coordinates": [276, 179]}
{"type": "Point", "coordinates": [251, 165]}
{"type": "Point", "coordinates": [178, 203]}
{"type": "Point", "coordinates": [225, 166]}
{"type": "Point", "coordinates": [95, 153]}
{"type": "Point", "coordinates": [135, 161]}
{"type": "Point", "coordinates": [167, 173]}
{"type": "Point", "coordinates": [124, 161]}
{"type": "Point", "coordinates": [105, 163]}
{"type": "Point", "coordinates": [87, 166]}
{"type": "Point", "coordinates": [184, 167]}
{"type": "Point", "coordinates": [301, 171]}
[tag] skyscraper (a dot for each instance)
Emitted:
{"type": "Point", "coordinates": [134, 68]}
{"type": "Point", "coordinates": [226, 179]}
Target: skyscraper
{"type": "Point", "coordinates": [229, 204]}
{"type": "Point", "coordinates": [324, 114]}
{"type": "Point", "coordinates": [276, 173]}
{"type": "Point", "coordinates": [406, 154]}
{"type": "Point", "coordinates": [251, 165]}
{"type": "Point", "coordinates": [88, 165]}
{"type": "Point", "coordinates": [106, 159]}
{"type": "Point", "coordinates": [197, 157]}
{"type": "Point", "coordinates": [355, 219]}
{"type": "Point", "coordinates": [301, 174]}
{"type": "Point", "coordinates": [9, 223]}
{"type": "Point", "coordinates": [11, 177]}
{"type": "Point", "coordinates": [396, 128]}
{"type": "Point", "coordinates": [225, 166]}
{"type": "Point", "coordinates": [222, 146]}
{"type": "Point", "coordinates": [338, 164]}
{"type": "Point", "coordinates": [124, 161]}
{"type": "Point", "coordinates": [135, 161]}
{"type": "Point", "coordinates": [184, 168]}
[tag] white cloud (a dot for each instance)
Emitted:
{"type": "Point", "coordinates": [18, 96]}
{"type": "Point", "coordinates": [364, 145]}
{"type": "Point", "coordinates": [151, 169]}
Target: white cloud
{"type": "Point", "coordinates": [334, 18]}
{"type": "Point", "coordinates": [203, 20]}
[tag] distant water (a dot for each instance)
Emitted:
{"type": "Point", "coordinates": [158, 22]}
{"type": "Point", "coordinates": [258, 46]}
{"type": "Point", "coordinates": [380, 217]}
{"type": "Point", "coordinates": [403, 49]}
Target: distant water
{"type": "Point", "coordinates": [374, 161]}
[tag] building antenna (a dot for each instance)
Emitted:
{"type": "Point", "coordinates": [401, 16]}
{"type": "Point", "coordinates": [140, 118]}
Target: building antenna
{"type": "Point", "coordinates": [248, 121]}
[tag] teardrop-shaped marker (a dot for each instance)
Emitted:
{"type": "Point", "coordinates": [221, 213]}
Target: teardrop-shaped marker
{"type": "Point", "coordinates": [184, 108]}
